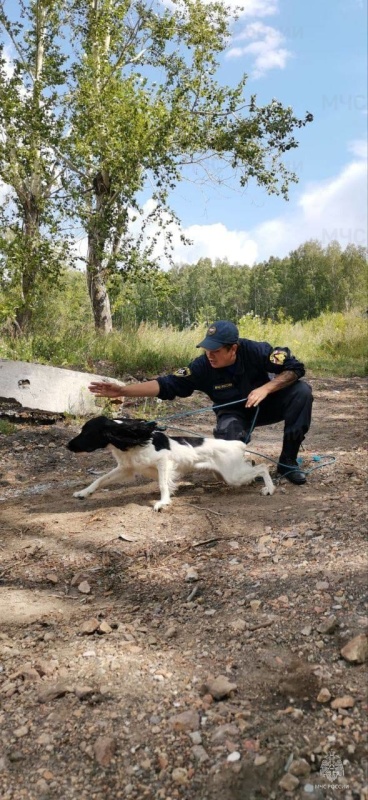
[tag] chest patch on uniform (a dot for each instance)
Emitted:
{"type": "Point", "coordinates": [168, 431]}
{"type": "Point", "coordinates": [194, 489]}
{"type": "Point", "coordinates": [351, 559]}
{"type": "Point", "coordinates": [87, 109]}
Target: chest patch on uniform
{"type": "Point", "coordinates": [223, 386]}
{"type": "Point", "coordinates": [183, 372]}
{"type": "Point", "coordinates": [278, 355]}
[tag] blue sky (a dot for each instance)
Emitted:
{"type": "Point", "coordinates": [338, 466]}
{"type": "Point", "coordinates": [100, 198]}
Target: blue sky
{"type": "Point", "coordinates": [313, 56]}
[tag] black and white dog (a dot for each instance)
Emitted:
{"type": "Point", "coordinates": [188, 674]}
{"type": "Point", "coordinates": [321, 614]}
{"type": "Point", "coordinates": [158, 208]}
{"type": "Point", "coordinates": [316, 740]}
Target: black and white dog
{"type": "Point", "coordinates": [140, 449]}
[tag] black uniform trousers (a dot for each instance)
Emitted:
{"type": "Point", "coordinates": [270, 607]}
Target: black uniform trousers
{"type": "Point", "coordinates": [293, 405]}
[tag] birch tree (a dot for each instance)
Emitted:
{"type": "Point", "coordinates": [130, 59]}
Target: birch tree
{"type": "Point", "coordinates": [121, 109]}
{"type": "Point", "coordinates": [31, 123]}
{"type": "Point", "coordinates": [146, 107]}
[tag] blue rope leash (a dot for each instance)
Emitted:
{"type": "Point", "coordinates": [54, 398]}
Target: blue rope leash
{"type": "Point", "coordinates": [209, 408]}
{"type": "Point", "coordinates": [201, 410]}
{"type": "Point", "coordinates": [319, 458]}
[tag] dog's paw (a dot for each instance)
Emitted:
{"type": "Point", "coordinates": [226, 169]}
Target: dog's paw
{"type": "Point", "coordinates": [265, 491]}
{"type": "Point", "coordinates": [160, 504]}
{"type": "Point", "coordinates": [79, 495]}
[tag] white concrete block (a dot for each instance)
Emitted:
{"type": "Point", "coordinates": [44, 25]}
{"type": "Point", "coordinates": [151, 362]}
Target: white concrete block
{"type": "Point", "coordinates": [44, 388]}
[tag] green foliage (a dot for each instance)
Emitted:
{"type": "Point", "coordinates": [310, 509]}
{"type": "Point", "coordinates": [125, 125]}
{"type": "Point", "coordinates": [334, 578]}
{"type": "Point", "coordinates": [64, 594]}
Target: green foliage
{"type": "Point", "coordinates": [32, 246]}
{"type": "Point", "coordinates": [131, 107]}
{"type": "Point", "coordinates": [6, 427]}
{"type": "Point", "coordinates": [306, 283]}
{"type": "Point", "coordinates": [333, 343]}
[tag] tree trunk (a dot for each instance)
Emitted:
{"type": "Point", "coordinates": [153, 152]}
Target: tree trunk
{"type": "Point", "coordinates": [30, 267]}
{"type": "Point", "coordinates": [96, 245]}
{"type": "Point", "coordinates": [97, 288]}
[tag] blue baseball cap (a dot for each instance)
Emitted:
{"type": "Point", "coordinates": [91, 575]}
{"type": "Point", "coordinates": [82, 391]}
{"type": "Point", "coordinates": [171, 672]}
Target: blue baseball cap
{"type": "Point", "coordinates": [220, 333]}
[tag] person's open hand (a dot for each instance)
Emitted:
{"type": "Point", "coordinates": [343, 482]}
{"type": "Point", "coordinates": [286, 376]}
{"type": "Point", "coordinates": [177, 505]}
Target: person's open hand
{"type": "Point", "coordinates": [106, 389]}
{"type": "Point", "coordinates": [256, 396]}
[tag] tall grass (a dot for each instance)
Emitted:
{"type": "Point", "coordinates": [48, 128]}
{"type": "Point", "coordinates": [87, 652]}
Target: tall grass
{"type": "Point", "coordinates": [332, 344]}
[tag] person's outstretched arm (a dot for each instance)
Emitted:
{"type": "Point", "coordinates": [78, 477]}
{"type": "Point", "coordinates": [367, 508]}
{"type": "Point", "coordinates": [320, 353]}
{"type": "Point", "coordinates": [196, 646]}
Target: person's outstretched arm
{"type": "Point", "coordinates": [107, 389]}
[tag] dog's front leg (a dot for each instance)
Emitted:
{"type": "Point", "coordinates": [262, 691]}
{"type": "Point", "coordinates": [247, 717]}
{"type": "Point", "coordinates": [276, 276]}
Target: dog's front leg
{"type": "Point", "coordinates": [261, 471]}
{"type": "Point", "coordinates": [164, 469]}
{"type": "Point", "coordinates": [114, 475]}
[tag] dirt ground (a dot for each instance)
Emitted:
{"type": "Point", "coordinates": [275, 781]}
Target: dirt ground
{"type": "Point", "coordinates": [109, 646]}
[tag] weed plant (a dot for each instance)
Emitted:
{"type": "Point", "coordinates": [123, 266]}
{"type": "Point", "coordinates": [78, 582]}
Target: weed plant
{"type": "Point", "coordinates": [331, 344]}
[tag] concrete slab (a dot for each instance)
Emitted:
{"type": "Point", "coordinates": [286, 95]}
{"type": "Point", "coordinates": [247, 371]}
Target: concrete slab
{"type": "Point", "coordinates": [36, 386]}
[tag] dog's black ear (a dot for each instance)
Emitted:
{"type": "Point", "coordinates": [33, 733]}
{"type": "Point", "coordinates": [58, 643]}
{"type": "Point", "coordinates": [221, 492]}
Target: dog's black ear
{"type": "Point", "coordinates": [126, 433]}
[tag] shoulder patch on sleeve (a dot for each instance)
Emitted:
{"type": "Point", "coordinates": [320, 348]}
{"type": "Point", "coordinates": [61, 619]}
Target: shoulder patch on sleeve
{"type": "Point", "coordinates": [278, 355]}
{"type": "Point", "coordinates": [183, 372]}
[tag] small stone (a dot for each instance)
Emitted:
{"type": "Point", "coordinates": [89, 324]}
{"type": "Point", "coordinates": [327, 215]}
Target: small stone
{"type": "Point", "coordinates": [238, 625]}
{"type": "Point", "coordinates": [306, 631]}
{"type": "Point", "coordinates": [191, 575]}
{"type": "Point", "coordinates": [52, 578]}
{"type": "Point", "coordinates": [84, 587]}
{"type": "Point", "coordinates": [233, 757]}
{"type": "Point", "coordinates": [4, 765]}
{"type": "Point", "coordinates": [283, 599]}
{"type": "Point", "coordinates": [90, 626]}
{"type": "Point", "coordinates": [195, 737]}
{"type": "Point", "coordinates": [322, 586]}
{"type": "Point", "coordinates": [104, 750]}
{"type": "Point", "coordinates": [323, 696]}
{"type": "Point", "coordinates": [78, 578]}
{"type": "Point", "coordinates": [289, 782]}
{"type": "Point", "coordinates": [44, 738]}
{"type": "Point", "coordinates": [27, 672]}
{"type": "Point", "coordinates": [186, 721]}
{"type": "Point", "coordinates": [343, 702]}
{"type": "Point", "coordinates": [220, 687]}
{"type": "Point", "coordinates": [259, 760]}
{"type": "Point", "coordinates": [223, 732]}
{"type": "Point", "coordinates": [163, 760]}
{"type": "Point", "coordinates": [45, 667]}
{"type": "Point", "coordinates": [83, 692]}
{"type": "Point", "coordinates": [104, 627]}
{"type": "Point", "coordinates": [22, 731]}
{"type": "Point", "coordinates": [48, 693]}
{"type": "Point", "coordinates": [328, 625]}
{"type": "Point", "coordinates": [356, 650]}
{"type": "Point", "coordinates": [15, 755]}
{"type": "Point", "coordinates": [255, 604]}
{"type": "Point", "coordinates": [171, 632]}
{"type": "Point", "coordinates": [180, 775]}
{"type": "Point", "coordinates": [199, 753]}
{"type": "Point", "coordinates": [299, 767]}
{"type": "Point", "coordinates": [42, 787]}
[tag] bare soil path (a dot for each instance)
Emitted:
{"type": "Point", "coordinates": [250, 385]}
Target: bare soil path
{"type": "Point", "coordinates": [264, 591]}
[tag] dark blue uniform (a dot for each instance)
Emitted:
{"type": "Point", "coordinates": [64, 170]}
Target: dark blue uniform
{"type": "Point", "coordinates": [256, 364]}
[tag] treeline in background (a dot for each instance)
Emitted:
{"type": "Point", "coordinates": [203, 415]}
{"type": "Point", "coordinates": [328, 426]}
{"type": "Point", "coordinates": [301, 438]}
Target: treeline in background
{"type": "Point", "coordinates": [314, 300]}
{"type": "Point", "coordinates": [309, 281]}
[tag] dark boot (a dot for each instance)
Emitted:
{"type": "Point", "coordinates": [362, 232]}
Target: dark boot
{"type": "Point", "coordinates": [288, 466]}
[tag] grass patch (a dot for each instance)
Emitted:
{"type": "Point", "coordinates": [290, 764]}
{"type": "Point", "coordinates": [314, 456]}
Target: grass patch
{"type": "Point", "coordinates": [6, 427]}
{"type": "Point", "coordinates": [332, 344]}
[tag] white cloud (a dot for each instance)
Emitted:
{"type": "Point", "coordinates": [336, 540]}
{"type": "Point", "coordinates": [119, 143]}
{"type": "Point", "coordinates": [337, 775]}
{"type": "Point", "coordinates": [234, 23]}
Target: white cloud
{"type": "Point", "coordinates": [265, 47]}
{"type": "Point", "coordinates": [327, 210]}
{"type": "Point", "coordinates": [216, 241]}
{"type": "Point", "coordinates": [359, 148]}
